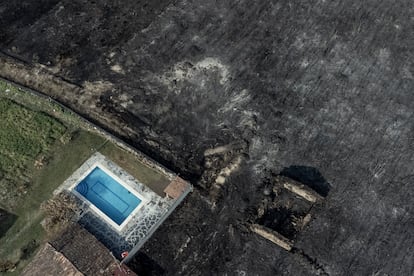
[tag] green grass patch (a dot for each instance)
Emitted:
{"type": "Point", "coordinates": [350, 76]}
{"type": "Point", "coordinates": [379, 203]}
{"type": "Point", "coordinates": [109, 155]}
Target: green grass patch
{"type": "Point", "coordinates": [24, 135]}
{"type": "Point", "coordinates": [37, 103]}
{"type": "Point", "coordinates": [41, 145]}
{"type": "Point", "coordinates": [65, 160]}
{"type": "Point", "coordinates": [129, 162]}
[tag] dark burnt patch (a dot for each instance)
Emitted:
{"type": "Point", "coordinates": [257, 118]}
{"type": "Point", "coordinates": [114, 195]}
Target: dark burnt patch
{"type": "Point", "coordinates": [285, 221]}
{"type": "Point", "coordinates": [284, 213]}
{"type": "Point", "coordinates": [143, 265]}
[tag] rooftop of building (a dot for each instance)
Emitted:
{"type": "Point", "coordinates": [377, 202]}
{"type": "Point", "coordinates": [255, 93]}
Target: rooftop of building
{"type": "Point", "coordinates": [75, 252]}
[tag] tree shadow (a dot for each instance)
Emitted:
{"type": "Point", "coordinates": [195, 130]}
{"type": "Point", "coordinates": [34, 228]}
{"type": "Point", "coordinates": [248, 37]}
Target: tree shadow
{"type": "Point", "coordinates": [309, 176]}
{"type": "Point", "coordinates": [6, 221]}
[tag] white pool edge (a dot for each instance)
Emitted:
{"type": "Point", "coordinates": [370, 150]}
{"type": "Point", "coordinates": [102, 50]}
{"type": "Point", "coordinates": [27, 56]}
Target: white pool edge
{"type": "Point", "coordinates": [92, 207]}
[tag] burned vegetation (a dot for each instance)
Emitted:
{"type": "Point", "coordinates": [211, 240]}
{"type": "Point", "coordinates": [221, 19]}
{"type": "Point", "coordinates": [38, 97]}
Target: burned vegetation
{"type": "Point", "coordinates": [286, 208]}
{"type": "Point", "coordinates": [231, 94]}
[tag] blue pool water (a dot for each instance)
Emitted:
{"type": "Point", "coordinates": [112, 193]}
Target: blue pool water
{"type": "Point", "coordinates": [113, 199]}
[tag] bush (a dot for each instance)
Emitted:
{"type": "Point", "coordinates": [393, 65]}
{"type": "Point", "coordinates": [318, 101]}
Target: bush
{"type": "Point", "coordinates": [66, 138]}
{"type": "Point", "coordinates": [6, 266]}
{"type": "Point", "coordinates": [59, 211]}
{"type": "Point", "coordinates": [28, 249]}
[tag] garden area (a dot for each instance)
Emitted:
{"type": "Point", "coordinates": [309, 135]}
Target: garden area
{"type": "Point", "coordinates": [41, 144]}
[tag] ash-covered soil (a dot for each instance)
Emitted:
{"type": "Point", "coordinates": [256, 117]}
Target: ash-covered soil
{"type": "Point", "coordinates": [326, 85]}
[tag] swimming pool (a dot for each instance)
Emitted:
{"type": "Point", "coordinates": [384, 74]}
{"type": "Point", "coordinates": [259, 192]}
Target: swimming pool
{"type": "Point", "coordinates": [108, 195]}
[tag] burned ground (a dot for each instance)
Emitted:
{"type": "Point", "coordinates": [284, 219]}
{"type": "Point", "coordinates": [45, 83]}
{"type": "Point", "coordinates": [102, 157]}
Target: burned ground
{"type": "Point", "coordinates": [320, 84]}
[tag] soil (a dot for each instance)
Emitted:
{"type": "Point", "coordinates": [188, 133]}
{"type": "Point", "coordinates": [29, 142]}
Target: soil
{"type": "Point", "coordinates": [316, 90]}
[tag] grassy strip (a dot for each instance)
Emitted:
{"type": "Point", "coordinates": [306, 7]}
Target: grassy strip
{"type": "Point", "coordinates": [129, 162]}
{"type": "Point", "coordinates": [42, 104]}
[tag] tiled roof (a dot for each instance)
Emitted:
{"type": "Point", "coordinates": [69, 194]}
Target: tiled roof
{"type": "Point", "coordinates": [48, 261]}
{"type": "Point", "coordinates": [76, 252]}
{"type": "Point", "coordinates": [85, 252]}
{"type": "Point", "coordinates": [176, 188]}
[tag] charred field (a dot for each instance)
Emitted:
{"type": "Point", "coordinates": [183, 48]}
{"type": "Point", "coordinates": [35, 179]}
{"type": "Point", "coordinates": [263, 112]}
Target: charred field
{"type": "Point", "coordinates": [231, 94]}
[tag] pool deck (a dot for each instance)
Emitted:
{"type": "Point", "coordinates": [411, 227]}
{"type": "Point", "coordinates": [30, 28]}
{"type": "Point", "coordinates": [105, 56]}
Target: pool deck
{"type": "Point", "coordinates": [139, 225]}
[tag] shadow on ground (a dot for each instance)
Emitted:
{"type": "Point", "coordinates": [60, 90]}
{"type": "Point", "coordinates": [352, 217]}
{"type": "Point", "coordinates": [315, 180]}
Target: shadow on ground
{"type": "Point", "coordinates": [6, 221]}
{"type": "Point", "coordinates": [142, 264]}
{"type": "Point", "coordinates": [309, 176]}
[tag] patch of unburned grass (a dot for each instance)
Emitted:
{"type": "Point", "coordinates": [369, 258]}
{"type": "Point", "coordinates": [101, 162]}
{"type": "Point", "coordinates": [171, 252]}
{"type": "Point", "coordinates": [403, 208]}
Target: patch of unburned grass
{"type": "Point", "coordinates": [37, 103]}
{"type": "Point", "coordinates": [34, 161]}
{"type": "Point", "coordinates": [65, 160]}
{"type": "Point", "coordinates": [43, 143]}
{"type": "Point", "coordinates": [128, 161]}
{"type": "Point", "coordinates": [24, 135]}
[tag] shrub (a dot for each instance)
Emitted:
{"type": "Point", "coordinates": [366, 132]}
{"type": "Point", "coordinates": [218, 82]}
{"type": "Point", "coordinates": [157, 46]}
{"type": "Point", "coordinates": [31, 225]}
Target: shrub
{"type": "Point", "coordinates": [59, 211]}
{"type": "Point", "coordinates": [6, 266]}
{"type": "Point", "coordinates": [66, 137]}
{"type": "Point", "coordinates": [28, 249]}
